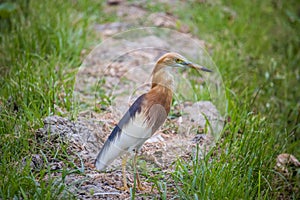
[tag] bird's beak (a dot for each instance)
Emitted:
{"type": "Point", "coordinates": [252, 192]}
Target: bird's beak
{"type": "Point", "coordinates": [198, 67]}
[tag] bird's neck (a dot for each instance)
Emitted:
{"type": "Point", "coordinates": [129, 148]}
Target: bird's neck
{"type": "Point", "coordinates": [163, 78]}
{"type": "Point", "coordinates": [162, 90]}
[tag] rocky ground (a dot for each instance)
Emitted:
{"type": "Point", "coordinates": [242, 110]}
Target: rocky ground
{"type": "Point", "coordinates": [86, 135]}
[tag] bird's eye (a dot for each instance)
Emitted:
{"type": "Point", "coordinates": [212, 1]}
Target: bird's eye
{"type": "Point", "coordinates": [179, 61]}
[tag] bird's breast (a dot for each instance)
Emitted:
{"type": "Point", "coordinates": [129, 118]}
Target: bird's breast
{"type": "Point", "coordinates": [157, 106]}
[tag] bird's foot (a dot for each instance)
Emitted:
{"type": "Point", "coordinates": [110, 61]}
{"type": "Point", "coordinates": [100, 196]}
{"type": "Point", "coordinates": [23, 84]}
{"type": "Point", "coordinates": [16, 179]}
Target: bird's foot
{"type": "Point", "coordinates": [124, 188]}
{"type": "Point", "coordinates": [141, 187]}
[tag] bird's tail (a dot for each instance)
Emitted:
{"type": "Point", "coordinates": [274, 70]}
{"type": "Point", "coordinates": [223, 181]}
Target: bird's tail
{"type": "Point", "coordinates": [109, 152]}
{"type": "Point", "coordinates": [118, 143]}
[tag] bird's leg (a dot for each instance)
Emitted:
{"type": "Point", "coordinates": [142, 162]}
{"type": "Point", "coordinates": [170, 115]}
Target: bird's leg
{"type": "Point", "coordinates": [139, 184]}
{"type": "Point", "coordinates": [124, 161]}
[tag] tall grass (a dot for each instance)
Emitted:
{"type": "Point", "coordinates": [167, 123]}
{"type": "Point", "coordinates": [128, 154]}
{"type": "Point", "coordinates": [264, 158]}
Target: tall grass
{"type": "Point", "coordinates": [41, 43]}
{"type": "Point", "coordinates": [256, 46]}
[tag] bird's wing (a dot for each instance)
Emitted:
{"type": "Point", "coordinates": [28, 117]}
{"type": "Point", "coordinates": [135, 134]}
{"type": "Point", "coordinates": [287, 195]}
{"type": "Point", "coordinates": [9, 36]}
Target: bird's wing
{"type": "Point", "coordinates": [135, 127]}
{"type": "Point", "coordinates": [129, 133]}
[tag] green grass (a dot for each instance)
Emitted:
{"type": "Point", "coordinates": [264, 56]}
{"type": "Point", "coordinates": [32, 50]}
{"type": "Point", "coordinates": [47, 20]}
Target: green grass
{"type": "Point", "coordinates": [255, 45]}
{"type": "Point", "coordinates": [38, 55]}
{"type": "Point", "coordinates": [243, 170]}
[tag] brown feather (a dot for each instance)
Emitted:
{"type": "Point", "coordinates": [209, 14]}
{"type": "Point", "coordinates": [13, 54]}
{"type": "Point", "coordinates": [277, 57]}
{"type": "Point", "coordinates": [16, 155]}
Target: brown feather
{"type": "Point", "coordinates": [157, 104]}
{"type": "Point", "coordinates": [158, 100]}
{"type": "Point", "coordinates": [166, 60]}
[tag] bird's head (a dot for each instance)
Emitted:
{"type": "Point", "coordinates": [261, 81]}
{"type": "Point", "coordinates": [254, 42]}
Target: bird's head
{"type": "Point", "coordinates": [176, 60]}
{"type": "Point", "coordinates": [161, 74]}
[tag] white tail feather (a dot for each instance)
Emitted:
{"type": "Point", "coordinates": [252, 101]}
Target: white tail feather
{"type": "Point", "coordinates": [133, 136]}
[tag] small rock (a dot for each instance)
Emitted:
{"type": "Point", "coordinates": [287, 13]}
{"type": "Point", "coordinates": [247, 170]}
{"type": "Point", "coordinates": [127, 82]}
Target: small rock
{"type": "Point", "coordinates": [285, 160]}
{"type": "Point", "coordinates": [169, 21]}
{"type": "Point", "coordinates": [113, 2]}
{"type": "Point", "coordinates": [36, 161]}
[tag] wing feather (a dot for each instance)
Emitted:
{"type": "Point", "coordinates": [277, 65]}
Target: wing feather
{"type": "Point", "coordinates": [125, 135]}
{"type": "Point", "coordinates": [138, 124]}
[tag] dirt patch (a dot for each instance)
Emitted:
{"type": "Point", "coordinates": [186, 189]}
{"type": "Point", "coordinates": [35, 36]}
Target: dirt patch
{"type": "Point", "coordinates": [87, 135]}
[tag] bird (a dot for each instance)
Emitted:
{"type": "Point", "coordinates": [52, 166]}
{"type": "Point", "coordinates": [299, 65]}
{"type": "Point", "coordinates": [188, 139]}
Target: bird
{"type": "Point", "coordinates": [144, 117]}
